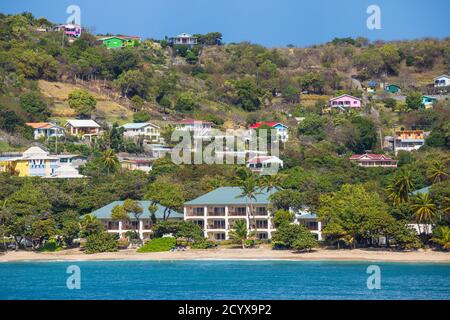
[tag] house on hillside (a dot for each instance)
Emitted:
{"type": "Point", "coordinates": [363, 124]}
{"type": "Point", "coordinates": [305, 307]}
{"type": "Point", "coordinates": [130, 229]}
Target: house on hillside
{"type": "Point", "coordinates": [345, 102]}
{"type": "Point", "coordinates": [45, 129]}
{"type": "Point", "coordinates": [442, 81]}
{"type": "Point", "coordinates": [217, 211]}
{"type": "Point", "coordinates": [393, 88]}
{"type": "Point", "coordinates": [265, 164]}
{"type": "Point", "coordinates": [372, 86]}
{"type": "Point", "coordinates": [36, 162]}
{"type": "Point", "coordinates": [428, 101]}
{"type": "Point", "coordinates": [114, 42]}
{"type": "Point", "coordinates": [369, 160]}
{"type": "Point", "coordinates": [145, 222]}
{"type": "Point", "coordinates": [281, 129]}
{"type": "Point", "coordinates": [407, 140]}
{"type": "Point", "coordinates": [150, 132]}
{"type": "Point", "coordinates": [135, 163]}
{"type": "Point", "coordinates": [83, 128]}
{"type": "Point", "coordinates": [70, 30]}
{"type": "Point", "coordinates": [184, 39]}
{"type": "Point", "coordinates": [199, 127]}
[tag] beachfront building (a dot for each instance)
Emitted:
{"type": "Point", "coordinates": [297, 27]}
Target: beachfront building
{"type": "Point", "coordinates": [184, 39]}
{"type": "Point", "coordinates": [115, 42]}
{"type": "Point", "coordinates": [344, 102]}
{"type": "Point", "coordinates": [265, 164]}
{"type": "Point", "coordinates": [45, 129]}
{"type": "Point", "coordinates": [442, 81]}
{"type": "Point", "coordinates": [393, 88]}
{"type": "Point", "coordinates": [36, 162]}
{"type": "Point", "coordinates": [198, 127]}
{"type": "Point", "coordinates": [83, 128]}
{"type": "Point", "coordinates": [144, 224]}
{"type": "Point", "coordinates": [310, 221]}
{"type": "Point", "coordinates": [151, 133]}
{"type": "Point", "coordinates": [217, 212]}
{"type": "Point", "coordinates": [407, 140]}
{"type": "Point", "coordinates": [369, 160]}
{"type": "Point", "coordinates": [281, 129]}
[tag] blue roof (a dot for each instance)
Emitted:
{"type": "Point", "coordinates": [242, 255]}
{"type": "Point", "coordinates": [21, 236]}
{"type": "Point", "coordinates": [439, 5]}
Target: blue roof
{"type": "Point", "coordinates": [105, 212]}
{"type": "Point", "coordinates": [230, 196]}
{"type": "Point", "coordinates": [372, 83]}
{"type": "Point", "coordinates": [425, 190]}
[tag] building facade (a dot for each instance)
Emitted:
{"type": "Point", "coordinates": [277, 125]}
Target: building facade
{"type": "Point", "coordinates": [217, 212]}
{"type": "Point", "coordinates": [369, 160]}
{"type": "Point", "coordinates": [83, 128]}
{"type": "Point", "coordinates": [116, 42]}
{"type": "Point", "coordinates": [345, 102]}
{"type": "Point", "coordinates": [265, 164]}
{"type": "Point", "coordinates": [442, 81]}
{"type": "Point", "coordinates": [45, 129]}
{"type": "Point", "coordinates": [150, 132]}
{"type": "Point", "coordinates": [184, 39]}
{"type": "Point", "coordinates": [281, 129]}
{"type": "Point", "coordinates": [143, 226]}
{"type": "Point", "coordinates": [408, 140]}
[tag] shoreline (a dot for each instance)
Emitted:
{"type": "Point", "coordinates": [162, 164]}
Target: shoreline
{"type": "Point", "coordinates": [226, 254]}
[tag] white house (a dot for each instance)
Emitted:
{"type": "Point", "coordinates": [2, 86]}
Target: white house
{"type": "Point", "coordinates": [310, 221]}
{"type": "Point", "coordinates": [184, 39]}
{"type": "Point", "coordinates": [83, 128]}
{"type": "Point", "coordinates": [265, 164]}
{"type": "Point", "coordinates": [150, 132]}
{"type": "Point", "coordinates": [45, 129]}
{"type": "Point", "coordinates": [199, 127]}
{"type": "Point", "coordinates": [442, 81]}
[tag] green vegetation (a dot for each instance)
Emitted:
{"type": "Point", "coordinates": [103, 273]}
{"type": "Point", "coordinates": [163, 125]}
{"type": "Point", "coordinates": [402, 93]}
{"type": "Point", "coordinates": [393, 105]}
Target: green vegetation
{"type": "Point", "coordinates": [100, 242]}
{"type": "Point", "coordinates": [158, 245]}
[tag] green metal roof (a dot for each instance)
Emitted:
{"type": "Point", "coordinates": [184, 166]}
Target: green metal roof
{"type": "Point", "coordinates": [105, 212]}
{"type": "Point", "coordinates": [230, 196]}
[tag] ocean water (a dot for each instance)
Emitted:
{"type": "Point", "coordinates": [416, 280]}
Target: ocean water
{"type": "Point", "coordinates": [237, 280]}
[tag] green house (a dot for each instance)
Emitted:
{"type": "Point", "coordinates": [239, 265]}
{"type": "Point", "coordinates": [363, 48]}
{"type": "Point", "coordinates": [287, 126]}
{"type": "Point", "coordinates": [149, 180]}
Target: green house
{"type": "Point", "coordinates": [120, 42]}
{"type": "Point", "coordinates": [393, 88]}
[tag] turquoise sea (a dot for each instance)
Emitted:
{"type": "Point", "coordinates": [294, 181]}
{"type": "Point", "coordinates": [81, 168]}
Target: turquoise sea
{"type": "Point", "coordinates": [236, 280]}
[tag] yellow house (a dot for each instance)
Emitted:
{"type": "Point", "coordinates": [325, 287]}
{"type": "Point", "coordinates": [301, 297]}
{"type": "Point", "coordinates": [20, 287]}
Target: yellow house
{"type": "Point", "coordinates": [34, 162]}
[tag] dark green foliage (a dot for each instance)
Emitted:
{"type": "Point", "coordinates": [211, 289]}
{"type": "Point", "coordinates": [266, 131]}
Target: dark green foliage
{"type": "Point", "coordinates": [100, 242]}
{"type": "Point", "coordinates": [158, 245]}
{"type": "Point", "coordinates": [34, 105]}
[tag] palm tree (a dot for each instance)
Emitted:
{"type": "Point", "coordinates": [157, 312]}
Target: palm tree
{"type": "Point", "coordinates": [271, 182]}
{"type": "Point", "coordinates": [250, 186]}
{"type": "Point", "coordinates": [239, 232]}
{"type": "Point", "coordinates": [438, 171]}
{"type": "Point", "coordinates": [109, 160]}
{"type": "Point", "coordinates": [424, 209]}
{"type": "Point", "coordinates": [400, 187]}
{"type": "Point", "coordinates": [442, 237]}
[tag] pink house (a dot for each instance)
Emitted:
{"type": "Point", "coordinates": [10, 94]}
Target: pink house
{"type": "Point", "coordinates": [345, 102]}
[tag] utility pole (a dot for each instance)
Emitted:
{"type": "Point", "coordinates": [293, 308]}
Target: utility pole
{"type": "Point", "coordinates": [394, 136]}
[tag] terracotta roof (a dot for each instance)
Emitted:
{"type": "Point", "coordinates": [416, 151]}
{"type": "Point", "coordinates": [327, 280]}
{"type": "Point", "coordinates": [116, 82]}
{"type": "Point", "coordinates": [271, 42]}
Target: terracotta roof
{"type": "Point", "coordinates": [40, 125]}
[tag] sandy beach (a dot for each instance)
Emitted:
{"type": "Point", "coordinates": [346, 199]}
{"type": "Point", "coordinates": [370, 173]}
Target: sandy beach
{"type": "Point", "coordinates": [264, 253]}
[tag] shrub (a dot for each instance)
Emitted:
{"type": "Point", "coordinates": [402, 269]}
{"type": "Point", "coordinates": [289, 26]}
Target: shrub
{"type": "Point", "coordinates": [100, 242]}
{"type": "Point", "coordinates": [158, 245]}
{"type": "Point", "coordinates": [203, 244]}
{"type": "Point", "coordinates": [50, 246]}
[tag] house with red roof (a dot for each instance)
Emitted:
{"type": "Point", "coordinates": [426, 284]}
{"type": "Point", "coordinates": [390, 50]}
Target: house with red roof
{"type": "Point", "coordinates": [282, 130]}
{"type": "Point", "coordinates": [345, 102]}
{"type": "Point", "coordinates": [45, 129]}
{"type": "Point", "coordinates": [371, 160]}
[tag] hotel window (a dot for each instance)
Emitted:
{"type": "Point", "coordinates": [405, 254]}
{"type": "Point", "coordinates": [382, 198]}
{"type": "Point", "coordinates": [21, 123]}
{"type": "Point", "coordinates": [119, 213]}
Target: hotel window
{"type": "Point", "coordinates": [219, 211]}
{"type": "Point", "coordinates": [219, 236]}
{"type": "Point", "coordinates": [261, 211]}
{"type": "Point", "coordinates": [241, 211]}
{"type": "Point", "coordinates": [262, 224]}
{"type": "Point", "coordinates": [198, 211]}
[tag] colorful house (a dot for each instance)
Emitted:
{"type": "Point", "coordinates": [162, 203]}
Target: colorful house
{"type": "Point", "coordinates": [281, 129]}
{"type": "Point", "coordinates": [70, 30]}
{"type": "Point", "coordinates": [145, 222]}
{"type": "Point", "coordinates": [393, 88]}
{"type": "Point", "coordinates": [184, 39]}
{"type": "Point", "coordinates": [115, 42]}
{"type": "Point", "coordinates": [217, 212]}
{"type": "Point", "coordinates": [45, 129]}
{"type": "Point", "coordinates": [428, 101]}
{"type": "Point", "coordinates": [373, 160]}
{"type": "Point", "coordinates": [442, 81]}
{"type": "Point", "coordinates": [345, 102]}
{"type": "Point", "coordinates": [150, 132]}
{"type": "Point", "coordinates": [83, 128]}
{"type": "Point", "coordinates": [409, 140]}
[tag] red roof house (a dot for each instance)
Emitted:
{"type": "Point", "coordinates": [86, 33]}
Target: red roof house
{"type": "Point", "coordinates": [374, 160]}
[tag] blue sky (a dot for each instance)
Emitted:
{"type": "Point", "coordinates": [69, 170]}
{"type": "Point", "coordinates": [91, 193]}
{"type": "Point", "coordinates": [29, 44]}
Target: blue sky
{"type": "Point", "coordinates": [267, 22]}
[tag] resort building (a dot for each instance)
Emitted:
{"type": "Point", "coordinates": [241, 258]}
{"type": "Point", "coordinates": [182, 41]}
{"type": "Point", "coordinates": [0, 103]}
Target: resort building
{"type": "Point", "coordinates": [373, 160]}
{"type": "Point", "coordinates": [36, 162]}
{"type": "Point", "coordinates": [344, 102]}
{"type": "Point", "coordinates": [442, 81]}
{"type": "Point", "coordinates": [83, 128]}
{"type": "Point", "coordinates": [115, 42]}
{"type": "Point", "coordinates": [199, 127]}
{"type": "Point", "coordinates": [217, 211]}
{"type": "Point", "coordinates": [45, 129]}
{"type": "Point", "coordinates": [144, 224]}
{"type": "Point", "coordinates": [150, 132]}
{"type": "Point", "coordinates": [407, 140]}
{"type": "Point", "coordinates": [310, 221]}
{"type": "Point", "coordinates": [281, 129]}
{"type": "Point", "coordinates": [184, 39]}
{"type": "Point", "coordinates": [265, 164]}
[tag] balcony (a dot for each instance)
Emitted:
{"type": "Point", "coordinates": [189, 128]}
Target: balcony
{"type": "Point", "coordinates": [216, 212]}
{"type": "Point", "coordinates": [195, 212]}
{"type": "Point", "coordinates": [237, 212]}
